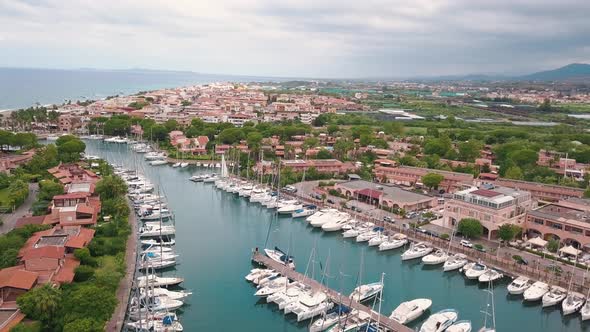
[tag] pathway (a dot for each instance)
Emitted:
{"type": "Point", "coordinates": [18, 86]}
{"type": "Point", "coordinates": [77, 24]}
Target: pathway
{"type": "Point", "coordinates": [124, 291]}
{"type": "Point", "coordinates": [10, 219]}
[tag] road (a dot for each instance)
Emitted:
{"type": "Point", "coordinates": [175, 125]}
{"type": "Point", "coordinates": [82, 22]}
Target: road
{"type": "Point", "coordinates": [10, 219]}
{"type": "Point", "coordinates": [306, 189]}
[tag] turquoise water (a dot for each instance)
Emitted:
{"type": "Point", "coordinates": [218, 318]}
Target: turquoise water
{"type": "Point", "coordinates": [216, 232]}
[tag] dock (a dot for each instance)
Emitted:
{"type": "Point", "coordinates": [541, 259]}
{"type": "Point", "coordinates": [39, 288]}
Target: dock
{"type": "Point", "coordinates": [336, 297]}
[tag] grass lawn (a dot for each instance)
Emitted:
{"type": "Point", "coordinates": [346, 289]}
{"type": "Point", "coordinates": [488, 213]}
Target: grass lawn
{"type": "Point", "coordinates": [4, 197]}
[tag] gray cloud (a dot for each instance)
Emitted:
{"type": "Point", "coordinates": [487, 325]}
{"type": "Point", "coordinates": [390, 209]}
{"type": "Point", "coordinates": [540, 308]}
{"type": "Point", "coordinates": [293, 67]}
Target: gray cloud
{"type": "Point", "coordinates": [319, 38]}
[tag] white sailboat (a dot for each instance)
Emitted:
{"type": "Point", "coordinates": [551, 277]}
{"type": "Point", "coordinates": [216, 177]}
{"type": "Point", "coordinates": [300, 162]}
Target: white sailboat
{"type": "Point", "coordinates": [396, 241]}
{"type": "Point", "coordinates": [408, 311]}
{"type": "Point", "coordinates": [536, 291]}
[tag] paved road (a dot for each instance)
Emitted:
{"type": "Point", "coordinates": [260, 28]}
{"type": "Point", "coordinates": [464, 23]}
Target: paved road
{"type": "Point", "coordinates": [10, 219]}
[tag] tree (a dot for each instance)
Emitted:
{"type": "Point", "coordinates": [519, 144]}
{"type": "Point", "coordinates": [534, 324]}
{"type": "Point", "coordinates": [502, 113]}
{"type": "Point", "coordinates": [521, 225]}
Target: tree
{"type": "Point", "coordinates": [41, 303]}
{"type": "Point", "coordinates": [84, 324]}
{"type": "Point", "coordinates": [432, 180]}
{"type": "Point", "coordinates": [553, 245]}
{"type": "Point", "coordinates": [545, 106]}
{"type": "Point", "coordinates": [88, 301]}
{"type": "Point", "coordinates": [254, 139]}
{"type": "Point", "coordinates": [111, 187]}
{"type": "Point", "coordinates": [523, 157]}
{"type": "Point", "coordinates": [514, 173]}
{"type": "Point", "coordinates": [507, 232]}
{"type": "Point", "coordinates": [310, 142]}
{"type": "Point", "coordinates": [323, 154]}
{"type": "Point", "coordinates": [469, 150]}
{"type": "Point", "coordinates": [333, 128]}
{"type": "Point", "coordinates": [393, 128]}
{"type": "Point", "coordinates": [231, 135]}
{"type": "Point", "coordinates": [48, 189]}
{"type": "Point", "coordinates": [470, 228]}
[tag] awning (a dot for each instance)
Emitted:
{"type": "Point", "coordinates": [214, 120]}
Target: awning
{"type": "Point", "coordinates": [537, 241]}
{"type": "Point", "coordinates": [569, 250]}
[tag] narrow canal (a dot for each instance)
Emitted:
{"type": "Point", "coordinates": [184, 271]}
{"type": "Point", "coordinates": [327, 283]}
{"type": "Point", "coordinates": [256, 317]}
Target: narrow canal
{"type": "Point", "coordinates": [216, 231]}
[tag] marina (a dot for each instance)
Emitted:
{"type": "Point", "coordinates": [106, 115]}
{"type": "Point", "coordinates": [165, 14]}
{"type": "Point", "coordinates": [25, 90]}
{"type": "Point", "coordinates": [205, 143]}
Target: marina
{"type": "Point", "coordinates": [231, 226]}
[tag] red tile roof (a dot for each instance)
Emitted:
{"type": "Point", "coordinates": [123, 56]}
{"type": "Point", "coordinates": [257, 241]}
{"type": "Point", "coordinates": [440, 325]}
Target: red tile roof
{"type": "Point", "coordinates": [15, 277]}
{"type": "Point", "coordinates": [44, 252]}
{"type": "Point", "coordinates": [370, 193]}
{"type": "Point", "coordinates": [75, 195]}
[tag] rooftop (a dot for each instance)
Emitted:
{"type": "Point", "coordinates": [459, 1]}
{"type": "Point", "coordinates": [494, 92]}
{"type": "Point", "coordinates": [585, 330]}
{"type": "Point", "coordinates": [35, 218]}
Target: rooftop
{"type": "Point", "coordinates": [556, 211]}
{"type": "Point", "coordinates": [388, 191]}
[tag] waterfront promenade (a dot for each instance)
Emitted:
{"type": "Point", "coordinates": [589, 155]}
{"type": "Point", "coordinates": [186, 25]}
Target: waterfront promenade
{"type": "Point", "coordinates": [336, 297]}
{"type": "Point", "coordinates": [124, 292]}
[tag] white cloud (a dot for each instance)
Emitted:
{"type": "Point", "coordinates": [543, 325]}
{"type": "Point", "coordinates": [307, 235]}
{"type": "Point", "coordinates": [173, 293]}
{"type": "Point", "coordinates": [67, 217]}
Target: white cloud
{"type": "Point", "coordinates": [296, 37]}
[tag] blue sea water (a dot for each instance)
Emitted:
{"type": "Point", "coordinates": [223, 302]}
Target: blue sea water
{"type": "Point", "coordinates": [22, 87]}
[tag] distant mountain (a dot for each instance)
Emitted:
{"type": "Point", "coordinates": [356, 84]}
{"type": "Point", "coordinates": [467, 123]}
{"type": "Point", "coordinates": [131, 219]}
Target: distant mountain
{"type": "Point", "coordinates": [571, 72]}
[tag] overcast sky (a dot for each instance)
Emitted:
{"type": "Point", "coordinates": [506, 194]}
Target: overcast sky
{"type": "Point", "coordinates": [297, 38]}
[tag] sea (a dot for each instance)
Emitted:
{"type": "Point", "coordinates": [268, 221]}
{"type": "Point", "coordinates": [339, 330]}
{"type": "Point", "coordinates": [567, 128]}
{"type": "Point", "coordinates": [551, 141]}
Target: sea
{"type": "Point", "coordinates": [23, 87]}
{"type": "Point", "coordinates": [217, 231]}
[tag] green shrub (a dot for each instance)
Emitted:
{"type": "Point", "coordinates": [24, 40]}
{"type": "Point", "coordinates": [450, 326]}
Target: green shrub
{"type": "Point", "coordinates": [27, 327]}
{"type": "Point", "coordinates": [444, 236]}
{"type": "Point", "coordinates": [83, 273]}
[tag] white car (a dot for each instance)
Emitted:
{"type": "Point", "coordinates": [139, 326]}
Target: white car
{"type": "Point", "coordinates": [466, 243]}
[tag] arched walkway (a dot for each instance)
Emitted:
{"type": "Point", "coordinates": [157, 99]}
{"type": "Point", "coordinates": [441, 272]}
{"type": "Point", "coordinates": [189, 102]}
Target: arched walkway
{"type": "Point", "coordinates": [551, 236]}
{"type": "Point", "coordinates": [573, 243]}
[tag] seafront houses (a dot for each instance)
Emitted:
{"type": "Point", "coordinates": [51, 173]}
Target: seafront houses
{"type": "Point", "coordinates": [330, 166]}
{"type": "Point", "coordinates": [493, 206]}
{"type": "Point", "coordinates": [195, 145]}
{"type": "Point", "coordinates": [8, 162]}
{"type": "Point", "coordinates": [412, 176]}
{"type": "Point", "coordinates": [565, 221]}
{"type": "Point", "coordinates": [387, 196]}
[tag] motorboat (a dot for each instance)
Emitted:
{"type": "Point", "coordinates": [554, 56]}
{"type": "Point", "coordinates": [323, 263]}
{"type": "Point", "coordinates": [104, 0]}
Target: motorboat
{"type": "Point", "coordinates": [331, 318]}
{"type": "Point", "coordinates": [366, 292]}
{"type": "Point", "coordinates": [572, 303]}
{"type": "Point", "coordinates": [168, 323]}
{"type": "Point", "coordinates": [197, 178]}
{"type": "Point", "coordinates": [519, 285]}
{"type": "Point", "coordinates": [337, 223]}
{"type": "Point", "coordinates": [408, 311]}
{"type": "Point", "coordinates": [278, 255]}
{"type": "Point", "coordinates": [460, 326]}
{"type": "Point", "coordinates": [417, 250]}
{"type": "Point", "coordinates": [366, 236]}
{"type": "Point", "coordinates": [163, 242]}
{"type": "Point", "coordinates": [305, 211]}
{"type": "Point", "coordinates": [272, 287]}
{"type": "Point", "coordinates": [490, 275]}
{"type": "Point", "coordinates": [325, 217]}
{"type": "Point", "coordinates": [377, 240]}
{"type": "Point", "coordinates": [555, 295]}
{"type": "Point", "coordinates": [158, 249]}
{"type": "Point", "coordinates": [174, 295]}
{"type": "Point", "coordinates": [254, 273]}
{"type": "Point", "coordinates": [155, 281]}
{"type": "Point", "coordinates": [157, 264]}
{"type": "Point", "coordinates": [175, 165]}
{"type": "Point", "coordinates": [536, 291]}
{"type": "Point", "coordinates": [354, 232]}
{"type": "Point", "coordinates": [183, 164]}
{"type": "Point", "coordinates": [475, 271]}
{"type": "Point", "coordinates": [211, 179]}
{"type": "Point", "coordinates": [263, 278]}
{"type": "Point", "coordinates": [437, 257]}
{"type": "Point", "coordinates": [439, 321]}
{"type": "Point", "coordinates": [287, 295]}
{"type": "Point", "coordinates": [154, 155]}
{"type": "Point", "coordinates": [393, 242]}
{"type": "Point", "coordinates": [310, 305]}
{"type": "Point", "coordinates": [152, 304]}
{"type": "Point", "coordinates": [455, 262]}
{"type": "Point", "coordinates": [158, 162]}
{"type": "Point", "coordinates": [289, 209]}
{"type": "Point", "coordinates": [354, 321]}
{"type": "Point", "coordinates": [150, 230]}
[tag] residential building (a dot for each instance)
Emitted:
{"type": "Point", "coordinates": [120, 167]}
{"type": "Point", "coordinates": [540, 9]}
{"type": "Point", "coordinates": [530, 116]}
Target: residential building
{"type": "Point", "coordinates": [412, 176]}
{"type": "Point", "coordinates": [542, 191]}
{"type": "Point", "coordinates": [492, 206]}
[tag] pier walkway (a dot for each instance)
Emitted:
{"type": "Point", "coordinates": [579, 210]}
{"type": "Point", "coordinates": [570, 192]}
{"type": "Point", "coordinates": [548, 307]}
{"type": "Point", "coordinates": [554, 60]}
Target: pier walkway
{"type": "Point", "coordinates": [336, 297]}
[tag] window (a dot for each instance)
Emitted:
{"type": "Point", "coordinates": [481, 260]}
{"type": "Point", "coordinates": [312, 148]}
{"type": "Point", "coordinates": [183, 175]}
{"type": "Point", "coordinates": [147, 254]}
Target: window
{"type": "Point", "coordinates": [538, 221]}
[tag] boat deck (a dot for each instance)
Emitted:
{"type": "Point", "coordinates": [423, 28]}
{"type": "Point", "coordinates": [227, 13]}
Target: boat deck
{"type": "Point", "coordinates": [336, 297]}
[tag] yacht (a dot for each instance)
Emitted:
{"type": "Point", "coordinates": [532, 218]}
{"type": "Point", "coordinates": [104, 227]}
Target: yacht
{"type": "Point", "coordinates": [460, 326]}
{"type": "Point", "coordinates": [408, 311]}
{"type": "Point", "coordinates": [366, 292]}
{"type": "Point", "coordinates": [354, 232]}
{"type": "Point", "coordinates": [455, 262]}
{"type": "Point", "coordinates": [272, 287]}
{"type": "Point", "coordinates": [325, 217]}
{"type": "Point", "coordinates": [439, 321]}
{"type": "Point", "coordinates": [155, 281]}
{"type": "Point", "coordinates": [572, 303]}
{"type": "Point", "coordinates": [158, 162]}
{"type": "Point", "coordinates": [519, 285]}
{"type": "Point", "coordinates": [154, 155]}
{"type": "Point", "coordinates": [156, 230]}
{"type": "Point", "coordinates": [490, 275]}
{"type": "Point", "coordinates": [438, 257]}
{"type": "Point", "coordinates": [366, 236]}
{"type": "Point", "coordinates": [165, 324]}
{"type": "Point", "coordinates": [197, 178]}
{"type": "Point", "coordinates": [154, 304]}
{"type": "Point", "coordinates": [536, 291]}
{"type": "Point", "coordinates": [210, 179]}
{"type": "Point", "coordinates": [331, 318]}
{"type": "Point", "coordinates": [393, 242]}
{"type": "Point", "coordinates": [310, 305]}
{"type": "Point", "coordinates": [163, 242]}
{"type": "Point", "coordinates": [353, 322]}
{"type": "Point", "coordinates": [254, 273]}
{"type": "Point", "coordinates": [555, 295]}
{"type": "Point", "coordinates": [183, 164]}
{"type": "Point", "coordinates": [174, 295]}
{"type": "Point", "coordinates": [585, 311]}
{"type": "Point", "coordinates": [377, 240]}
{"type": "Point", "coordinates": [263, 278]}
{"type": "Point", "coordinates": [278, 255]}
{"type": "Point", "coordinates": [290, 208]}
{"type": "Point", "coordinates": [475, 271]}
{"type": "Point", "coordinates": [287, 295]}
{"type": "Point", "coordinates": [416, 251]}
{"type": "Point", "coordinates": [337, 223]}
{"type": "Point", "coordinates": [175, 165]}
{"type": "Point", "coordinates": [305, 211]}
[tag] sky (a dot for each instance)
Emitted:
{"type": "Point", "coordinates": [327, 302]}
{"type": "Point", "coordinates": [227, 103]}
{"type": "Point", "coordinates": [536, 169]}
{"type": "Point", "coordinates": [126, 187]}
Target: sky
{"type": "Point", "coordinates": [297, 38]}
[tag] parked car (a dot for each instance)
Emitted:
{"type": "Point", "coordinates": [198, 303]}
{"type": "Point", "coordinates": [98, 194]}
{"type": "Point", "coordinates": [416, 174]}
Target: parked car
{"type": "Point", "coordinates": [466, 243]}
{"type": "Point", "coordinates": [388, 219]}
{"type": "Point", "coordinates": [331, 201]}
{"type": "Point", "coordinates": [422, 230]}
{"type": "Point", "coordinates": [290, 189]}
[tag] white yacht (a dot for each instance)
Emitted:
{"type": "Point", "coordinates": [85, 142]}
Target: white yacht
{"type": "Point", "coordinates": [155, 281]}
{"type": "Point", "coordinates": [150, 230]}
{"type": "Point", "coordinates": [536, 291]}
{"type": "Point", "coordinates": [393, 242]}
{"type": "Point", "coordinates": [164, 324]}
{"type": "Point", "coordinates": [519, 285]}
{"type": "Point", "coordinates": [290, 208]}
{"type": "Point", "coordinates": [154, 155]}
{"type": "Point", "coordinates": [455, 262]}
{"type": "Point", "coordinates": [460, 326]}
{"type": "Point", "coordinates": [408, 311]}
{"type": "Point", "coordinates": [366, 292]}
{"type": "Point", "coordinates": [175, 165]}
{"type": "Point", "coordinates": [572, 303]}
{"type": "Point", "coordinates": [354, 232]}
{"type": "Point", "coordinates": [163, 242]}
{"type": "Point", "coordinates": [183, 164]}
{"type": "Point", "coordinates": [326, 217]}
{"type": "Point", "coordinates": [555, 295]}
{"type": "Point", "coordinates": [585, 311]}
{"type": "Point", "coordinates": [366, 236]}
{"type": "Point", "coordinates": [174, 295]}
{"type": "Point", "coordinates": [331, 318]}
{"type": "Point", "coordinates": [263, 278]}
{"type": "Point", "coordinates": [437, 257]}
{"type": "Point", "coordinates": [490, 275]}
{"type": "Point", "coordinates": [287, 295]}
{"type": "Point", "coordinates": [337, 223]}
{"type": "Point", "coordinates": [417, 250]}
{"type": "Point", "coordinates": [272, 287]}
{"type": "Point", "coordinates": [158, 162]}
{"type": "Point", "coordinates": [278, 255]}
{"type": "Point", "coordinates": [305, 211]}
{"type": "Point", "coordinates": [311, 305]}
{"type": "Point", "coordinates": [475, 271]}
{"type": "Point", "coordinates": [254, 273]}
{"type": "Point", "coordinates": [439, 321]}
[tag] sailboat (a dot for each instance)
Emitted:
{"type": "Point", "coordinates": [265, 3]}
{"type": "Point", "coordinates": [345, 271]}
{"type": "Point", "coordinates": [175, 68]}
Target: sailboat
{"type": "Point", "coordinates": [492, 315]}
{"type": "Point", "coordinates": [574, 300]}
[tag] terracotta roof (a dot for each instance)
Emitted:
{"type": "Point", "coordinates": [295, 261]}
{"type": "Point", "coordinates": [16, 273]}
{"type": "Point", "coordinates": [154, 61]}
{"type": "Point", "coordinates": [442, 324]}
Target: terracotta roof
{"type": "Point", "coordinates": [29, 220]}
{"type": "Point", "coordinates": [15, 277]}
{"type": "Point", "coordinates": [67, 271]}
{"type": "Point", "coordinates": [370, 193]}
{"type": "Point", "coordinates": [83, 208]}
{"type": "Point", "coordinates": [74, 195]}
{"type": "Point", "coordinates": [45, 252]}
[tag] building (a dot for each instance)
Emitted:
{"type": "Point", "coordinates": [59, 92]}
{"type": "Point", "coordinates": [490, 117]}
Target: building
{"type": "Point", "coordinates": [387, 196]}
{"type": "Point", "coordinates": [196, 145]}
{"type": "Point", "coordinates": [492, 206]}
{"type": "Point", "coordinates": [541, 191]}
{"type": "Point", "coordinates": [8, 162]}
{"type": "Point", "coordinates": [412, 176]}
{"type": "Point", "coordinates": [320, 165]}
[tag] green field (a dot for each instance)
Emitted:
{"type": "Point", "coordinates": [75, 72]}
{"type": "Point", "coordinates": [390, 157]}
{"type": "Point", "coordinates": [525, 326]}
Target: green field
{"type": "Point", "coordinates": [4, 197]}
